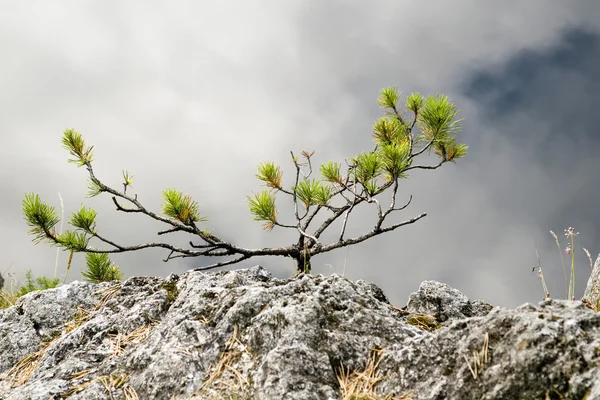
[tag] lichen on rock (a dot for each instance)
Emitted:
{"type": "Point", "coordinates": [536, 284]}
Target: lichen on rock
{"type": "Point", "coordinates": [244, 334]}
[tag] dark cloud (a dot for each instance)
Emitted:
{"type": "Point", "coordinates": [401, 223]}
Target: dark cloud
{"type": "Point", "coordinates": [558, 85]}
{"type": "Point", "coordinates": [541, 103]}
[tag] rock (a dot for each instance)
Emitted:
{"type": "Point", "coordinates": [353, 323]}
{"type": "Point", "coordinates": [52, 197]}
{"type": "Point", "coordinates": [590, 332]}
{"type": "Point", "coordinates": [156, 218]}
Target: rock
{"type": "Point", "coordinates": [247, 334]}
{"type": "Point", "coordinates": [591, 295]}
{"type": "Point", "coordinates": [445, 303]}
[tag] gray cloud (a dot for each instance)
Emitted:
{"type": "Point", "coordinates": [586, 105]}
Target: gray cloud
{"type": "Point", "coordinates": [194, 96]}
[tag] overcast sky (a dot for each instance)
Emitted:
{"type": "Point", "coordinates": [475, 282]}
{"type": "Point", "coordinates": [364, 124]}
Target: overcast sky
{"type": "Point", "coordinates": [195, 94]}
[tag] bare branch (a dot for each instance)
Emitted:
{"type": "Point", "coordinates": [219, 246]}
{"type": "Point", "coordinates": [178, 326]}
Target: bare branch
{"type": "Point", "coordinates": [426, 166]}
{"type": "Point", "coordinates": [347, 242]}
{"type": "Point", "coordinates": [342, 209]}
{"type": "Point", "coordinates": [330, 220]}
{"type": "Point", "coordinates": [394, 193]}
{"type": "Point", "coordinates": [222, 264]}
{"type": "Point", "coordinates": [108, 241]}
{"type": "Point", "coordinates": [205, 246]}
{"type": "Point", "coordinates": [314, 239]}
{"type": "Point", "coordinates": [310, 170]}
{"type": "Point", "coordinates": [410, 135]}
{"type": "Point", "coordinates": [397, 114]}
{"type": "Point", "coordinates": [312, 215]}
{"type": "Point", "coordinates": [295, 196]}
{"type": "Point", "coordinates": [379, 212]}
{"type": "Point", "coordinates": [211, 252]}
{"type": "Point", "coordinates": [123, 249]}
{"type": "Point", "coordinates": [169, 231]}
{"type": "Point", "coordinates": [389, 210]}
{"type": "Point", "coordinates": [346, 220]}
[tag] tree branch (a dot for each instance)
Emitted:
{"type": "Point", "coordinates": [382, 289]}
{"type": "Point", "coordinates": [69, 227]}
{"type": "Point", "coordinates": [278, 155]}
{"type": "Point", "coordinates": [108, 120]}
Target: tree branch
{"type": "Point", "coordinates": [426, 166]}
{"type": "Point", "coordinates": [222, 264]}
{"type": "Point", "coordinates": [347, 242]}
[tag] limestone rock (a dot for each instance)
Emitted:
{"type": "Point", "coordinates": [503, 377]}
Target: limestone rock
{"type": "Point", "coordinates": [246, 335]}
{"type": "Point", "coordinates": [591, 295]}
{"type": "Point", "coordinates": [444, 303]}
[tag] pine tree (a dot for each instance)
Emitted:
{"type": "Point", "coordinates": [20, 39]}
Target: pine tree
{"type": "Point", "coordinates": [365, 177]}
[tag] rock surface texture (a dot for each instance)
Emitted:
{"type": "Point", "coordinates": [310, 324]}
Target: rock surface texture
{"type": "Point", "coordinates": [246, 335]}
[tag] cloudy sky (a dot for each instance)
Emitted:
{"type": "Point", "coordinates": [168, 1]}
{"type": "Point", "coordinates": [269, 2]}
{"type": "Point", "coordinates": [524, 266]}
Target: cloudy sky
{"type": "Point", "coordinates": [195, 94]}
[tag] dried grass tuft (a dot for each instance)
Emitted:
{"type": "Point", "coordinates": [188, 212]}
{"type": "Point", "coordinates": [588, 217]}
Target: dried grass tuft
{"type": "Point", "coordinates": [361, 385]}
{"type": "Point", "coordinates": [225, 380]}
{"type": "Point", "coordinates": [480, 358]}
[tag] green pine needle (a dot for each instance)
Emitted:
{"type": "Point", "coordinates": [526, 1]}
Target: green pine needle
{"type": "Point", "coordinates": [388, 97]}
{"type": "Point", "coordinates": [414, 102]}
{"type": "Point", "coordinates": [312, 192]}
{"type": "Point", "coordinates": [100, 268]}
{"type": "Point", "coordinates": [262, 206]}
{"type": "Point", "coordinates": [368, 166]}
{"type": "Point", "coordinates": [331, 172]}
{"type": "Point", "coordinates": [73, 141]}
{"type": "Point", "coordinates": [84, 219]}
{"type": "Point", "coordinates": [40, 216]}
{"type": "Point", "coordinates": [180, 207]}
{"type": "Point", "coordinates": [271, 174]}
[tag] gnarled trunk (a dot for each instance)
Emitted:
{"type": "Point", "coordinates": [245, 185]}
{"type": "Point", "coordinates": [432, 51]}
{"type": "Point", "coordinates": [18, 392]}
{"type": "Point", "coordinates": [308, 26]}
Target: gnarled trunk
{"type": "Point", "coordinates": [303, 264]}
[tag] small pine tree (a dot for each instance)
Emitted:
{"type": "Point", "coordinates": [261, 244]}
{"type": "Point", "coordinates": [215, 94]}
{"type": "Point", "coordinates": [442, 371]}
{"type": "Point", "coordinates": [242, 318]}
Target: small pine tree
{"type": "Point", "coordinates": [399, 140]}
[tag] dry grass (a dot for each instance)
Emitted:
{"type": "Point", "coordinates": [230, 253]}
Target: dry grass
{"type": "Point", "coordinates": [118, 381]}
{"type": "Point", "coordinates": [81, 375]}
{"type": "Point", "coordinates": [398, 309]}
{"type": "Point", "coordinates": [108, 293]}
{"type": "Point", "coordinates": [110, 382]}
{"type": "Point", "coordinates": [480, 358]}
{"type": "Point", "coordinates": [425, 322]}
{"type": "Point", "coordinates": [23, 369]}
{"type": "Point", "coordinates": [120, 341]}
{"type": "Point", "coordinates": [361, 385]}
{"type": "Point", "coordinates": [7, 299]}
{"type": "Point", "coordinates": [225, 381]}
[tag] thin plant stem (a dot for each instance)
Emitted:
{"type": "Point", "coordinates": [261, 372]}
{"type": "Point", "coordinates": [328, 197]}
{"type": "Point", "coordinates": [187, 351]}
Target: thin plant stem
{"type": "Point", "coordinates": [572, 288]}
{"type": "Point", "coordinates": [570, 234]}
{"type": "Point", "coordinates": [562, 262]}
{"type": "Point", "coordinates": [541, 274]}
{"type": "Point", "coordinates": [68, 266]}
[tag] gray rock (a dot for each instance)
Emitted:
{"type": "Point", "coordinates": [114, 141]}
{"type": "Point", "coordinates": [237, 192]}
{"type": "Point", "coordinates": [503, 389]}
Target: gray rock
{"type": "Point", "coordinates": [591, 295]}
{"type": "Point", "coordinates": [445, 303]}
{"type": "Point", "coordinates": [246, 335]}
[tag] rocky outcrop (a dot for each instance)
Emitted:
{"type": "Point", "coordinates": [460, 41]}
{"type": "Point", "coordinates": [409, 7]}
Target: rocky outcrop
{"type": "Point", "coordinates": [246, 335]}
{"type": "Point", "coordinates": [591, 296]}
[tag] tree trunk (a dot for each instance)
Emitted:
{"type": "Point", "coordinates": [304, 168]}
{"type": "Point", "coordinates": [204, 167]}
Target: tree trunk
{"type": "Point", "coordinates": [303, 264]}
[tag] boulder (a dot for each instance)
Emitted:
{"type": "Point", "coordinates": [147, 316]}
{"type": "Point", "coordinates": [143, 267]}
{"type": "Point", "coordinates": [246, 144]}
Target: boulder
{"type": "Point", "coordinates": [244, 334]}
